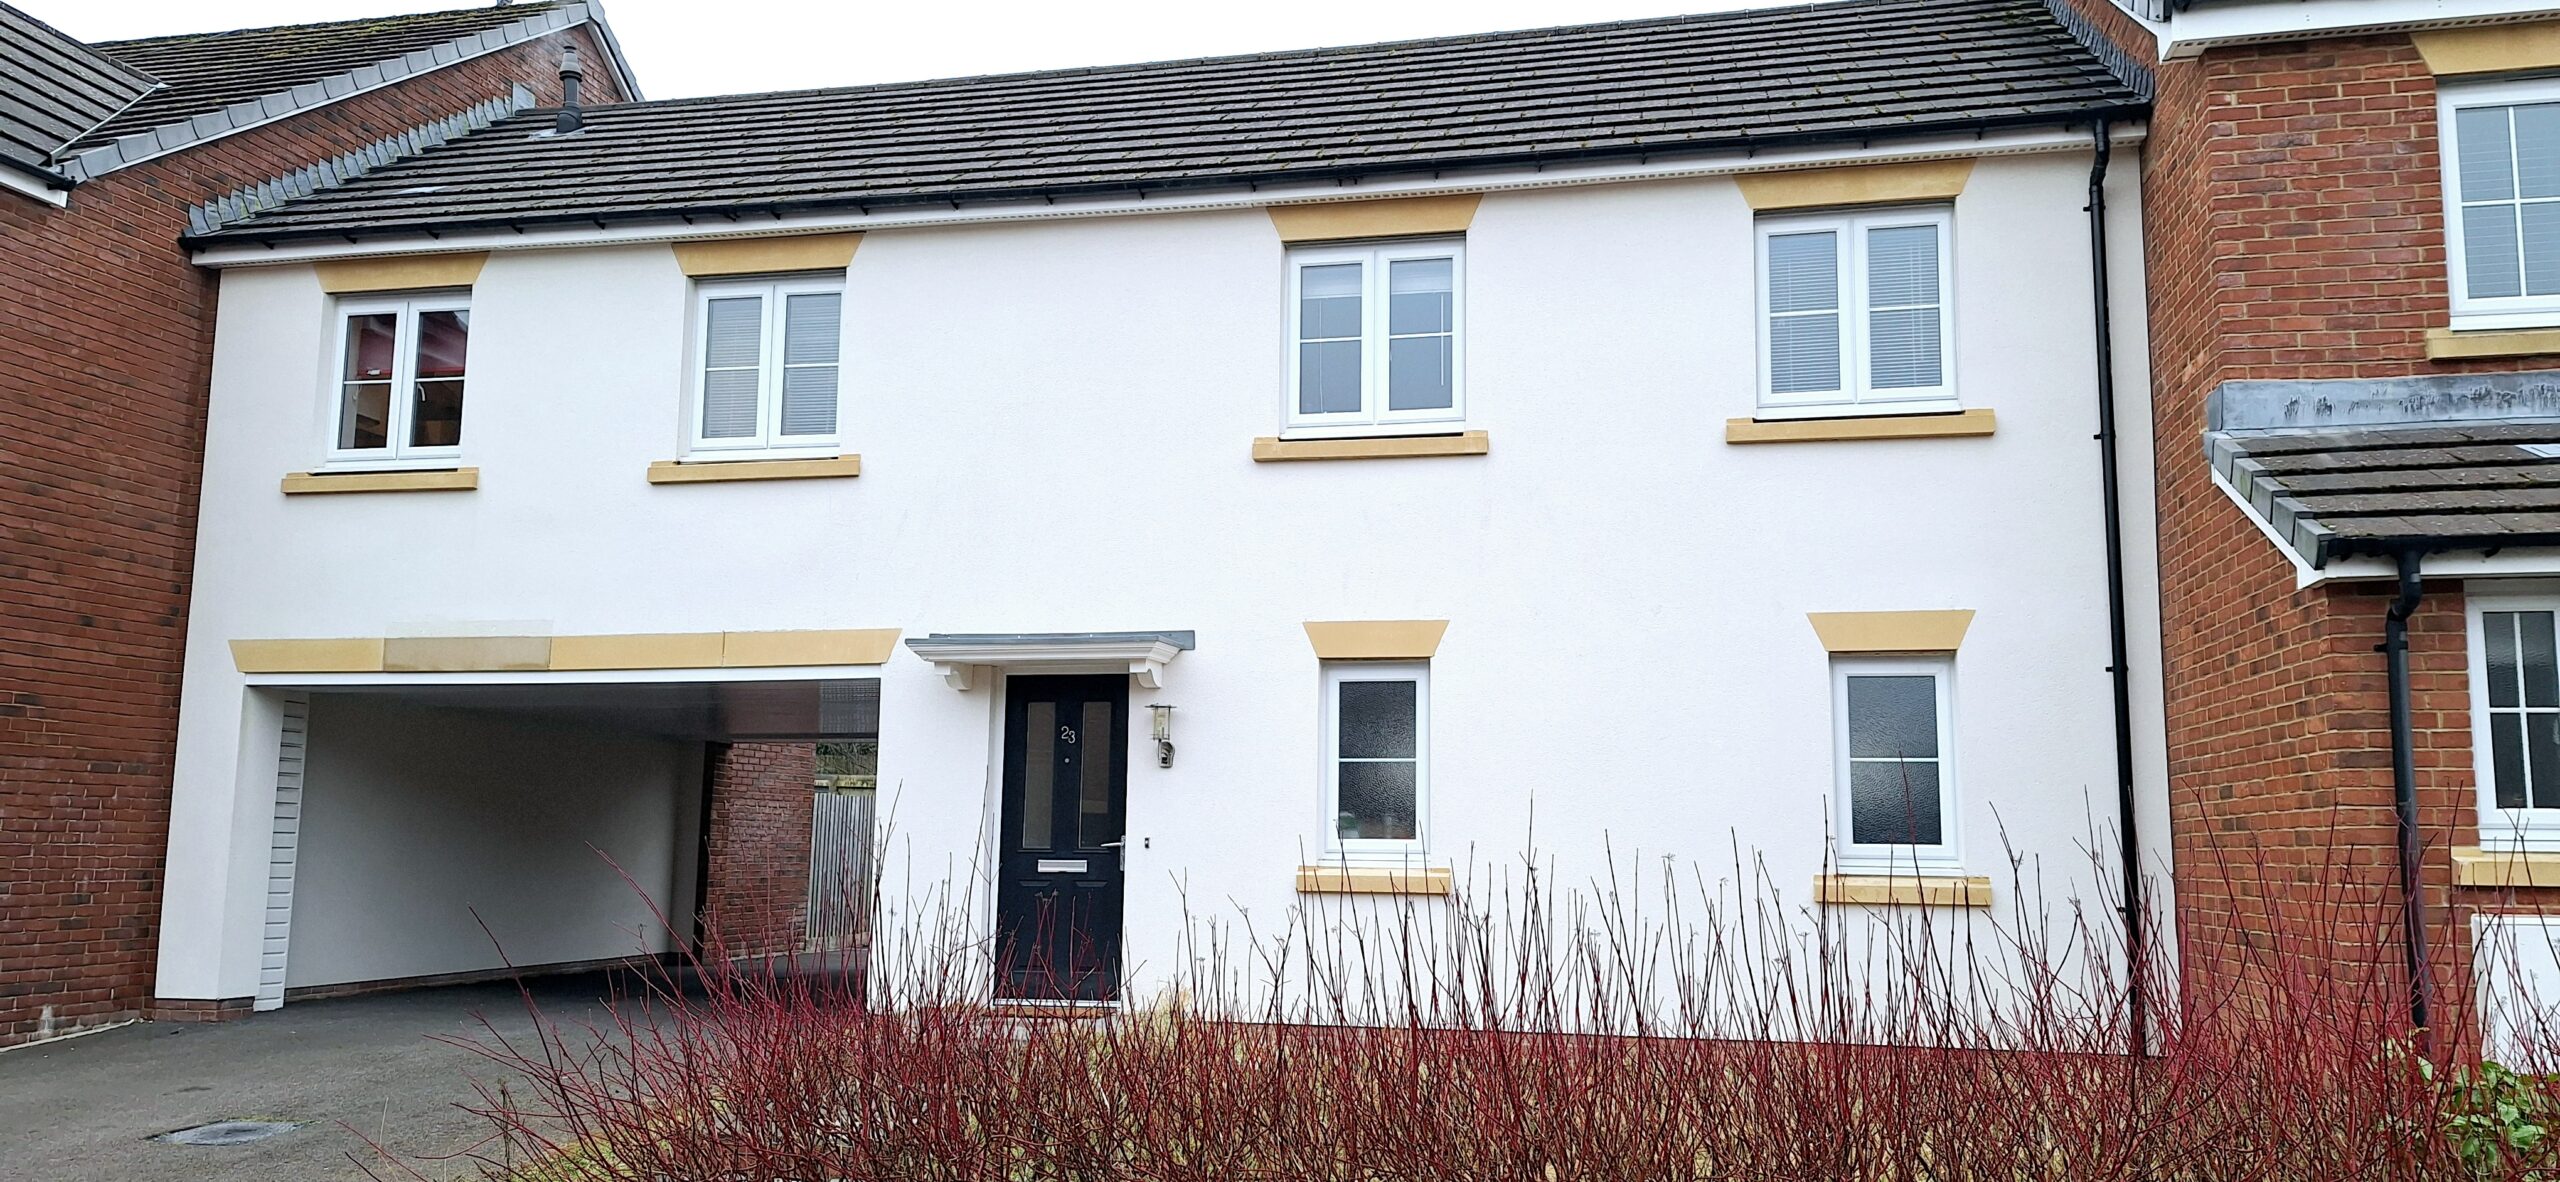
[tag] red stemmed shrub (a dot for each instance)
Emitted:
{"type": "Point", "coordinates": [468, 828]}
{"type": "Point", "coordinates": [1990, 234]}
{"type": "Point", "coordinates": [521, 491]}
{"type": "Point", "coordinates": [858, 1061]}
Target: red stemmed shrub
{"type": "Point", "coordinates": [1657, 1026]}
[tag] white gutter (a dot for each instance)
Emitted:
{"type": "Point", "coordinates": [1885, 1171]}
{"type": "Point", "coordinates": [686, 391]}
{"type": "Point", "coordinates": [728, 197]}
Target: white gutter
{"type": "Point", "coordinates": [540, 238]}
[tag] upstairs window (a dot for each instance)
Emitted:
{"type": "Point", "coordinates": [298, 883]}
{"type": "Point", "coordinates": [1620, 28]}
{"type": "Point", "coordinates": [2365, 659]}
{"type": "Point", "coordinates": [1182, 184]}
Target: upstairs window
{"type": "Point", "coordinates": [1375, 337]}
{"type": "Point", "coordinates": [1377, 739]}
{"type": "Point", "coordinates": [1896, 763]}
{"type": "Point", "coordinates": [401, 371]}
{"type": "Point", "coordinates": [766, 380]}
{"type": "Point", "coordinates": [1856, 316]}
{"type": "Point", "coordinates": [2515, 713]}
{"type": "Point", "coordinates": [2502, 201]}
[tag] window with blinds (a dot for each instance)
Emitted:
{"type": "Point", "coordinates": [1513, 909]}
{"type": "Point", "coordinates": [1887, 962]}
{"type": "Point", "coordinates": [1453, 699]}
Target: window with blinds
{"type": "Point", "coordinates": [1374, 337]}
{"type": "Point", "coordinates": [1855, 313]}
{"type": "Point", "coordinates": [2502, 202]}
{"type": "Point", "coordinates": [766, 378]}
{"type": "Point", "coordinates": [401, 371]}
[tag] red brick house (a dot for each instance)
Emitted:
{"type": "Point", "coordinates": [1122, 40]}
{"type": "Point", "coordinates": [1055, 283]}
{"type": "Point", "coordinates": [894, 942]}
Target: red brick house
{"type": "Point", "coordinates": [2353, 304]}
{"type": "Point", "coordinates": [105, 340]}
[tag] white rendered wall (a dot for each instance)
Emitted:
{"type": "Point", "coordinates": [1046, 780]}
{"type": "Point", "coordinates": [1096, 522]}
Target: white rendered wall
{"type": "Point", "coordinates": [420, 825]}
{"type": "Point", "coordinates": [1055, 421]}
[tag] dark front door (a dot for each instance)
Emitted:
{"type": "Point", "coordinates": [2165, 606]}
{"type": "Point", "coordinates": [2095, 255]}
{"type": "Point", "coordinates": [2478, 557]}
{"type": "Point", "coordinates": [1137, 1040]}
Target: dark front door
{"type": "Point", "coordinates": [1066, 780]}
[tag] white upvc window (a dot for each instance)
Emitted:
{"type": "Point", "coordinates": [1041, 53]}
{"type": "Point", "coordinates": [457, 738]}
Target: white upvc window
{"type": "Point", "coordinates": [765, 371]}
{"type": "Point", "coordinates": [2515, 719]}
{"type": "Point", "coordinates": [400, 374]}
{"type": "Point", "coordinates": [1893, 742]}
{"type": "Point", "coordinates": [1857, 313]}
{"type": "Point", "coordinates": [1377, 759]}
{"type": "Point", "coordinates": [2501, 152]}
{"type": "Point", "coordinates": [1377, 339]}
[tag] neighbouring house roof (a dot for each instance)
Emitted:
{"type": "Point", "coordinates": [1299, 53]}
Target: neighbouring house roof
{"type": "Point", "coordinates": [2340, 492]}
{"type": "Point", "coordinates": [53, 90]}
{"type": "Point", "coordinates": [1838, 72]}
{"type": "Point", "coordinates": [212, 84]}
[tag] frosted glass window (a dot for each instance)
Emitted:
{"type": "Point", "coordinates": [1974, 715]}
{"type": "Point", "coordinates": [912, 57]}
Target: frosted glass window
{"type": "Point", "coordinates": [770, 360]}
{"type": "Point", "coordinates": [1378, 755]}
{"type": "Point", "coordinates": [1854, 311]}
{"type": "Point", "coordinates": [1376, 335]}
{"type": "Point", "coordinates": [1896, 779]}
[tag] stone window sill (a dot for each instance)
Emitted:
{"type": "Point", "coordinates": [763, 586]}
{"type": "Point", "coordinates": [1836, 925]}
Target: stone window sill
{"type": "Point", "coordinates": [1339, 879]}
{"type": "Point", "coordinates": [2449, 344]}
{"type": "Point", "coordinates": [1272, 450]}
{"type": "Point", "coordinates": [1958, 425]}
{"type": "Point", "coordinates": [716, 471]}
{"type": "Point", "coordinates": [1903, 890]}
{"type": "Point", "coordinates": [452, 480]}
{"type": "Point", "coordinates": [2476, 867]}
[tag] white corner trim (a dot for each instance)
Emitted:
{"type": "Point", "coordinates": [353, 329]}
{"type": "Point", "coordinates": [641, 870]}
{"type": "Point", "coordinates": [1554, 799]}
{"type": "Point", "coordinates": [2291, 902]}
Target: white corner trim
{"type": "Point", "coordinates": [128, 150]}
{"type": "Point", "coordinates": [1242, 196]}
{"type": "Point", "coordinates": [19, 182]}
{"type": "Point", "coordinates": [2196, 30]}
{"type": "Point", "coordinates": [2304, 574]}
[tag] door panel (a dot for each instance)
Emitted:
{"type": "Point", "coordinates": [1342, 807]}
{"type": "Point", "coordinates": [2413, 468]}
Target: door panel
{"type": "Point", "coordinates": [1059, 888]}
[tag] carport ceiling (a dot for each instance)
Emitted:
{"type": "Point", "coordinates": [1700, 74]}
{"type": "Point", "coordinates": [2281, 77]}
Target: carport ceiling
{"type": "Point", "coordinates": [717, 711]}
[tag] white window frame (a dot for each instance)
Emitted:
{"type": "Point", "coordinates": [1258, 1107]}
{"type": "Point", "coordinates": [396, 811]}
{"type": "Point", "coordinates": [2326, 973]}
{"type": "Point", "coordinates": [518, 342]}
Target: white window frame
{"type": "Point", "coordinates": [2502, 829]}
{"type": "Point", "coordinates": [768, 442]}
{"type": "Point", "coordinates": [1855, 397]}
{"type": "Point", "coordinates": [1897, 857]}
{"type": "Point", "coordinates": [1369, 849]}
{"type": "Point", "coordinates": [397, 453]}
{"type": "Point", "coordinates": [1373, 417]}
{"type": "Point", "coordinates": [2520, 311]}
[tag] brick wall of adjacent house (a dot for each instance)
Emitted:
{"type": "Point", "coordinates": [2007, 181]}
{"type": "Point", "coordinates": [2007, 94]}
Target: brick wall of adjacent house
{"type": "Point", "coordinates": [2294, 228]}
{"type": "Point", "coordinates": [756, 884]}
{"type": "Point", "coordinates": [105, 338]}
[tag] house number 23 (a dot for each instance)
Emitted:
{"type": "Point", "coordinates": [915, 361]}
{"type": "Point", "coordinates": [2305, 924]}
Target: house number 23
{"type": "Point", "coordinates": [1066, 734]}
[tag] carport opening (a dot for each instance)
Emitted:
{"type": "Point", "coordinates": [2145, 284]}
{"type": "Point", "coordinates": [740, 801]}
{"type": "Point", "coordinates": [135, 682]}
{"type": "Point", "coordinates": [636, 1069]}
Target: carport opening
{"type": "Point", "coordinates": [444, 833]}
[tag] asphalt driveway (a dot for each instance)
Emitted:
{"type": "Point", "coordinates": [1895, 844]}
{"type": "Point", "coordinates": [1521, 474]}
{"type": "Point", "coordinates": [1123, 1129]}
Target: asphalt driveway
{"type": "Point", "coordinates": [85, 1108]}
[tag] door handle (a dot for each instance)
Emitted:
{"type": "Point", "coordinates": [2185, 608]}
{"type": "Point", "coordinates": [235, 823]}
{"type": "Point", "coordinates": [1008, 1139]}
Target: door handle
{"type": "Point", "coordinates": [1111, 845]}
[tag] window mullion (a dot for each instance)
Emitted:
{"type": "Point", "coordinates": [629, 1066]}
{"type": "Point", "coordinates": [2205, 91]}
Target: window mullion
{"type": "Point", "coordinates": [1373, 337]}
{"type": "Point", "coordinates": [1853, 310]}
{"type": "Point", "coordinates": [404, 366]}
{"type": "Point", "coordinates": [769, 375]}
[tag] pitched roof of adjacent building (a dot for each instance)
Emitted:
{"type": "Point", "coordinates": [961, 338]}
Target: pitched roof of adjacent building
{"type": "Point", "coordinates": [2342, 492]}
{"type": "Point", "coordinates": [210, 71]}
{"type": "Point", "coordinates": [1850, 71]}
{"type": "Point", "coordinates": [53, 90]}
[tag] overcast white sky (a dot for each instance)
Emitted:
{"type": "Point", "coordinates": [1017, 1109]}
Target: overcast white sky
{"type": "Point", "coordinates": [690, 47]}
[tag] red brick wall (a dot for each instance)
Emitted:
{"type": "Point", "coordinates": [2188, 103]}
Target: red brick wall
{"type": "Point", "coordinates": [2294, 229]}
{"type": "Point", "coordinates": [756, 888]}
{"type": "Point", "coordinates": [105, 339]}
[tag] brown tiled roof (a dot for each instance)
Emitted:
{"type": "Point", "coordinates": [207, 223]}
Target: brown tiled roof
{"type": "Point", "coordinates": [1837, 72]}
{"type": "Point", "coordinates": [208, 71]}
{"type": "Point", "coordinates": [53, 89]}
{"type": "Point", "coordinates": [2341, 492]}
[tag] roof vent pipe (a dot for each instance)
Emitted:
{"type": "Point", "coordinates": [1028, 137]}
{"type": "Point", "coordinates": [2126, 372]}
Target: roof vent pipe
{"type": "Point", "coordinates": [568, 120]}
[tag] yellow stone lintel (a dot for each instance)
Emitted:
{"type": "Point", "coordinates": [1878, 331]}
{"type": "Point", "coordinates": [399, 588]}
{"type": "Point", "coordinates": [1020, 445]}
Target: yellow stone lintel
{"type": "Point", "coordinates": [417, 272]}
{"type": "Point", "coordinates": [1385, 217]}
{"type": "Point", "coordinates": [2490, 49]}
{"type": "Point", "coordinates": [1270, 450]}
{"type": "Point", "coordinates": [495, 654]}
{"type": "Point", "coordinates": [842, 646]}
{"type": "Point", "coordinates": [453, 480]}
{"type": "Point", "coordinates": [766, 256]}
{"type": "Point", "coordinates": [715, 471]}
{"type": "Point", "coordinates": [1902, 890]}
{"type": "Point", "coordinates": [1891, 632]}
{"type": "Point", "coordinates": [352, 654]}
{"type": "Point", "coordinates": [1375, 880]}
{"type": "Point", "coordinates": [1376, 640]}
{"type": "Point", "coordinates": [1958, 425]}
{"type": "Point", "coordinates": [1855, 184]}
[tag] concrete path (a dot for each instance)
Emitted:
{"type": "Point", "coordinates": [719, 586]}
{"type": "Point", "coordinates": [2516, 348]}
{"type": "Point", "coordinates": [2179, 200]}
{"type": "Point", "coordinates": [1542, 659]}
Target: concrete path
{"type": "Point", "coordinates": [84, 1108]}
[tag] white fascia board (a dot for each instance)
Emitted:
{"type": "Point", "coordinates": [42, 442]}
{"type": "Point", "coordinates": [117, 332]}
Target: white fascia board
{"type": "Point", "coordinates": [2015, 143]}
{"type": "Point", "coordinates": [181, 134]}
{"type": "Point", "coordinates": [2198, 29]}
{"type": "Point", "coordinates": [20, 183]}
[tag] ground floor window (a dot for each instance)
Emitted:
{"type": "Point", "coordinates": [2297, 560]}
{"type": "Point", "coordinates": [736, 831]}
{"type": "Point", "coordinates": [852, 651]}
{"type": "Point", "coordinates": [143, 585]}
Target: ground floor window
{"type": "Point", "coordinates": [1377, 736]}
{"type": "Point", "coordinates": [1894, 749]}
{"type": "Point", "coordinates": [2515, 699]}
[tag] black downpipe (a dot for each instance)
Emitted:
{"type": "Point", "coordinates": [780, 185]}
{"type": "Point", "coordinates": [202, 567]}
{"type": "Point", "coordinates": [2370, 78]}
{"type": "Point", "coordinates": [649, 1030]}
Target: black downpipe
{"type": "Point", "coordinates": [2404, 796]}
{"type": "Point", "coordinates": [2129, 834]}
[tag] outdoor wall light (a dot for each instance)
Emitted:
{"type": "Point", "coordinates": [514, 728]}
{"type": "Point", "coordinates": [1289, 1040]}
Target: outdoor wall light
{"type": "Point", "coordinates": [1164, 734]}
